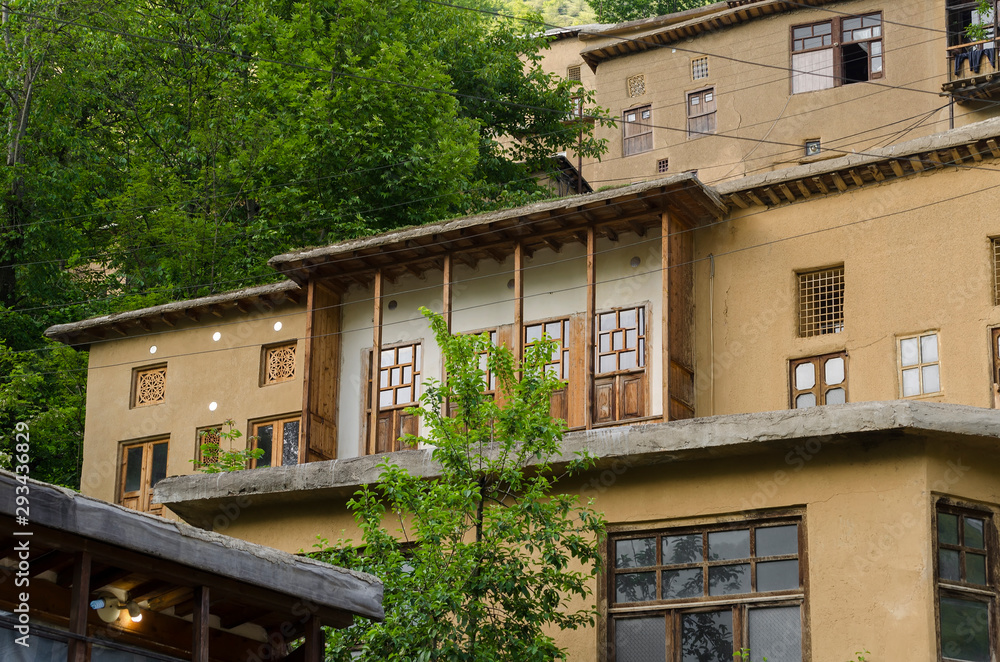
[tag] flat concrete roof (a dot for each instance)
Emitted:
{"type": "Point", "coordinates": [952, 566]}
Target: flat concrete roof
{"type": "Point", "coordinates": [202, 497]}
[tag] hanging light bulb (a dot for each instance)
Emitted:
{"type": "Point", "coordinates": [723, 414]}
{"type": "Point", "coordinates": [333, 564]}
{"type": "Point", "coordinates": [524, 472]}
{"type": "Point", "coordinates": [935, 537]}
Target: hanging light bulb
{"type": "Point", "coordinates": [133, 611]}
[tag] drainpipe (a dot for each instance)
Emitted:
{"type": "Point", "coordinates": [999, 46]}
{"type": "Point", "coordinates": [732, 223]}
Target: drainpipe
{"type": "Point", "coordinates": [711, 335]}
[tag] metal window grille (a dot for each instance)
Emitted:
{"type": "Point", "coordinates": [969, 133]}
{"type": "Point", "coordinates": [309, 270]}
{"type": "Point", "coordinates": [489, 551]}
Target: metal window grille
{"type": "Point", "coordinates": [699, 68]}
{"type": "Point", "coordinates": [996, 272]}
{"type": "Point", "coordinates": [150, 386]}
{"type": "Point", "coordinates": [663, 165]}
{"type": "Point", "coordinates": [279, 362]}
{"type": "Point", "coordinates": [821, 302]}
{"type": "Point", "coordinates": [573, 73]}
{"type": "Point", "coordinates": [637, 86]}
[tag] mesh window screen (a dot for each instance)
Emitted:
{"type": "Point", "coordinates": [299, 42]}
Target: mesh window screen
{"type": "Point", "coordinates": [776, 633]}
{"type": "Point", "coordinates": [996, 272]}
{"type": "Point", "coordinates": [641, 639]}
{"type": "Point", "coordinates": [821, 302]}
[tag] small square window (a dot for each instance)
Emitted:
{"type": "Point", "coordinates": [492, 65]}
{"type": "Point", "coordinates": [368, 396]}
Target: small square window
{"type": "Point", "coordinates": [919, 365]}
{"type": "Point", "coordinates": [637, 86]}
{"type": "Point", "coordinates": [813, 147]}
{"type": "Point", "coordinates": [699, 68]}
{"type": "Point", "coordinates": [662, 166]}
{"type": "Point", "coordinates": [573, 73]}
{"type": "Point", "coordinates": [149, 386]}
{"type": "Point", "coordinates": [207, 435]}
{"type": "Point", "coordinates": [996, 271]}
{"type": "Point", "coordinates": [818, 380]}
{"type": "Point", "coordinates": [279, 363]}
{"type": "Point", "coordinates": [821, 302]}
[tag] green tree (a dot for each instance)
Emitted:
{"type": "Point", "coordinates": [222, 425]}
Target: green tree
{"type": "Point", "coordinates": [619, 11]}
{"type": "Point", "coordinates": [483, 562]}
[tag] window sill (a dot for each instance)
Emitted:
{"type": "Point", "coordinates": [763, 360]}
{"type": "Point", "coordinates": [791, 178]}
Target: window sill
{"type": "Point", "coordinates": [822, 156]}
{"type": "Point", "coordinates": [627, 421]}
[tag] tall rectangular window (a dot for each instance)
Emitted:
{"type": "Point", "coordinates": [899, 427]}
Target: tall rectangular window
{"type": "Point", "coordinates": [620, 377]}
{"type": "Point", "coordinates": [821, 302]}
{"type": "Point", "coordinates": [143, 465]}
{"type": "Point", "coordinates": [637, 130]}
{"type": "Point", "coordinates": [840, 51]}
{"type": "Point", "coordinates": [818, 380]}
{"type": "Point", "coordinates": [558, 366]}
{"type": "Point", "coordinates": [701, 106]}
{"type": "Point", "coordinates": [207, 435]}
{"type": "Point", "coordinates": [279, 439]}
{"type": "Point", "coordinates": [699, 68]}
{"type": "Point", "coordinates": [702, 593]}
{"type": "Point", "coordinates": [398, 389]}
{"type": "Point", "coordinates": [996, 271]}
{"type": "Point", "coordinates": [995, 351]}
{"type": "Point", "coordinates": [919, 364]}
{"type": "Point", "coordinates": [965, 582]}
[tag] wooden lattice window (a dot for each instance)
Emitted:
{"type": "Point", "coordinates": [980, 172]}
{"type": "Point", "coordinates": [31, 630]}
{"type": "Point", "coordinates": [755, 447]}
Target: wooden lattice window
{"type": "Point", "coordinates": [399, 368]}
{"type": "Point", "coordinates": [919, 365]}
{"type": "Point", "coordinates": [702, 593]}
{"type": "Point", "coordinates": [701, 107]}
{"type": "Point", "coordinates": [573, 73]}
{"type": "Point", "coordinates": [149, 386]}
{"type": "Point", "coordinates": [996, 271]}
{"type": "Point", "coordinates": [558, 366]}
{"type": "Point", "coordinates": [818, 380]}
{"type": "Point", "coordinates": [637, 85]}
{"type": "Point", "coordinates": [995, 344]}
{"type": "Point", "coordinates": [143, 465]}
{"type": "Point", "coordinates": [279, 363]}
{"type": "Point", "coordinates": [699, 68]}
{"type": "Point", "coordinates": [620, 377]}
{"type": "Point", "coordinates": [279, 439]}
{"type": "Point", "coordinates": [821, 302]}
{"type": "Point", "coordinates": [637, 130]}
{"type": "Point", "coordinates": [207, 435]}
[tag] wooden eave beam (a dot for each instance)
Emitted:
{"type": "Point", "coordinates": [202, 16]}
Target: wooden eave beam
{"type": "Point", "coordinates": [216, 310]}
{"type": "Point", "coordinates": [974, 152]}
{"type": "Point", "coordinates": [192, 314]}
{"type": "Point", "coordinates": [610, 233]}
{"type": "Point", "coordinates": [739, 201]}
{"type": "Point", "coordinates": [821, 185]}
{"type": "Point", "coordinates": [552, 243]}
{"type": "Point", "coordinates": [876, 172]}
{"type": "Point", "coordinates": [787, 192]}
{"type": "Point", "coordinates": [856, 177]}
{"type": "Point", "coordinates": [897, 167]}
{"type": "Point", "coordinates": [994, 148]}
{"type": "Point", "coordinates": [839, 181]}
{"type": "Point", "coordinates": [242, 307]}
{"type": "Point", "coordinates": [144, 323]}
{"type": "Point", "coordinates": [167, 319]}
{"type": "Point", "coordinates": [916, 163]}
{"type": "Point", "coordinates": [771, 195]}
{"type": "Point", "coordinates": [756, 200]}
{"type": "Point", "coordinates": [803, 189]}
{"type": "Point", "coordinates": [637, 228]}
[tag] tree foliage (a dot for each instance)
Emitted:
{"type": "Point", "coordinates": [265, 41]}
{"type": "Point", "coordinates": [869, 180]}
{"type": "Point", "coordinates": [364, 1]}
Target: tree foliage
{"type": "Point", "coordinates": [485, 562]}
{"type": "Point", "coordinates": [620, 11]}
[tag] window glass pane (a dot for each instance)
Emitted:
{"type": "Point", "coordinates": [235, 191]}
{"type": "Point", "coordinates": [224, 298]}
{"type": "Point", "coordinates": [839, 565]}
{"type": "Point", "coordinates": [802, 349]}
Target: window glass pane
{"type": "Point", "coordinates": [635, 587]}
{"type": "Point", "coordinates": [383, 378]}
{"type": "Point", "coordinates": [707, 637]}
{"type": "Point", "coordinates": [684, 583]}
{"type": "Point", "coordinates": [554, 329]}
{"type": "Point", "coordinates": [618, 340]}
{"type": "Point", "coordinates": [133, 469]}
{"type": "Point", "coordinates": [608, 364]}
{"type": "Point", "coordinates": [265, 434]}
{"type": "Point", "coordinates": [909, 352]}
{"type": "Point", "coordinates": [407, 375]}
{"type": "Point", "coordinates": [404, 395]}
{"type": "Point", "coordinates": [641, 639]}
{"type": "Point", "coordinates": [533, 333]}
{"type": "Point", "coordinates": [777, 575]}
{"type": "Point", "coordinates": [608, 321]}
{"type": "Point", "coordinates": [405, 354]}
{"type": "Point", "coordinates": [159, 469]}
{"type": "Point", "coordinates": [947, 529]}
{"type": "Point", "coordinates": [965, 629]}
{"type": "Point", "coordinates": [388, 356]}
{"type": "Point", "coordinates": [290, 443]}
{"type": "Point", "coordinates": [876, 48]}
{"type": "Point", "coordinates": [639, 553]}
{"type": "Point", "coordinates": [777, 540]}
{"type": "Point", "coordinates": [631, 339]}
{"type": "Point", "coordinates": [725, 545]}
{"type": "Point", "coordinates": [605, 342]}
{"type": "Point", "coordinates": [805, 401]}
{"type": "Point", "coordinates": [836, 396]}
{"type": "Point", "coordinates": [395, 377]}
{"type": "Point", "coordinates": [948, 565]}
{"type": "Point", "coordinates": [627, 360]}
{"type": "Point", "coordinates": [776, 634]}
{"type": "Point", "coordinates": [835, 371]}
{"type": "Point", "coordinates": [802, 33]}
{"type": "Point", "coordinates": [823, 28]}
{"type": "Point", "coordinates": [975, 568]}
{"type": "Point", "coordinates": [682, 549]}
{"type": "Point", "coordinates": [805, 376]}
{"type": "Point", "coordinates": [973, 532]}
{"type": "Point", "coordinates": [385, 399]}
{"type": "Point", "coordinates": [729, 579]}
{"type": "Point", "coordinates": [911, 382]}
{"type": "Point", "coordinates": [871, 20]}
{"type": "Point", "coordinates": [932, 378]}
{"type": "Point", "coordinates": [928, 348]}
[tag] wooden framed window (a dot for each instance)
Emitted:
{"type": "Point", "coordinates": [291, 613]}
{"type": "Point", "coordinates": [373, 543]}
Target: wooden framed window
{"type": "Point", "coordinates": [206, 435]}
{"type": "Point", "coordinates": [995, 351]}
{"type": "Point", "coordinates": [966, 588]}
{"type": "Point", "coordinates": [702, 593]}
{"type": "Point", "coordinates": [840, 51]}
{"type": "Point", "coordinates": [818, 380]}
{"type": "Point", "coordinates": [637, 128]}
{"type": "Point", "coordinates": [149, 386]}
{"type": "Point", "coordinates": [701, 106]}
{"type": "Point", "coordinates": [620, 377]}
{"type": "Point", "coordinates": [699, 68]}
{"type": "Point", "coordinates": [279, 438]}
{"type": "Point", "coordinates": [278, 363]}
{"type": "Point", "coordinates": [919, 365]}
{"type": "Point", "coordinates": [399, 381]}
{"type": "Point", "coordinates": [996, 270]}
{"type": "Point", "coordinates": [558, 366]}
{"type": "Point", "coordinates": [963, 13]}
{"type": "Point", "coordinates": [143, 465]}
{"type": "Point", "coordinates": [573, 72]}
{"type": "Point", "coordinates": [821, 302]}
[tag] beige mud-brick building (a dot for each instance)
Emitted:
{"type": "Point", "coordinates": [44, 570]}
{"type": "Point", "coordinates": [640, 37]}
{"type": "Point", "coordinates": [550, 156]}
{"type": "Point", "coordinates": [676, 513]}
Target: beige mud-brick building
{"type": "Point", "coordinates": [790, 376]}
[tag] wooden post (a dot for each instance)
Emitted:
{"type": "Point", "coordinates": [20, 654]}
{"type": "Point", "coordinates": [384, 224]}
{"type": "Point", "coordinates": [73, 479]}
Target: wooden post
{"type": "Point", "coordinates": [589, 327]}
{"type": "Point", "coordinates": [199, 631]}
{"type": "Point", "coordinates": [376, 360]}
{"type": "Point", "coordinates": [315, 645]}
{"type": "Point", "coordinates": [78, 650]}
{"type": "Point", "coordinates": [306, 373]}
{"type": "Point", "coordinates": [446, 294]}
{"type": "Point", "coordinates": [518, 302]}
{"type": "Point", "coordinates": [665, 313]}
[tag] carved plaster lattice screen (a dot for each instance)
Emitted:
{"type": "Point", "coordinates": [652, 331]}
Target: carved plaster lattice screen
{"type": "Point", "coordinates": [150, 386]}
{"type": "Point", "coordinates": [279, 363]}
{"type": "Point", "coordinates": [637, 86]}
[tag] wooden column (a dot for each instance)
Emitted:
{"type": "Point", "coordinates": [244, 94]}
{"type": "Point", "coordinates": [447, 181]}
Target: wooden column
{"type": "Point", "coordinates": [199, 622]}
{"type": "Point", "coordinates": [307, 350]}
{"type": "Point", "coordinates": [518, 301]}
{"type": "Point", "coordinates": [446, 294]}
{"type": "Point", "coordinates": [665, 313]}
{"type": "Point", "coordinates": [79, 651]}
{"type": "Point", "coordinates": [315, 644]}
{"type": "Point", "coordinates": [376, 360]}
{"type": "Point", "coordinates": [588, 348]}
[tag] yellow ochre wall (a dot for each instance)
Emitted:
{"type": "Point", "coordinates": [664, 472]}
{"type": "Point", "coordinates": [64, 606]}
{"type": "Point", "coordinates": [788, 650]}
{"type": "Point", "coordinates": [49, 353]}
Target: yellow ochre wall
{"type": "Point", "coordinates": [867, 516]}
{"type": "Point", "coordinates": [761, 126]}
{"type": "Point", "coordinates": [199, 371]}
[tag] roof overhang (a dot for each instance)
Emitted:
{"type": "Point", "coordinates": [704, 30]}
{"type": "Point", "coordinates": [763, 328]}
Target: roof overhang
{"type": "Point", "coordinates": [201, 498]}
{"type": "Point", "coordinates": [543, 225]}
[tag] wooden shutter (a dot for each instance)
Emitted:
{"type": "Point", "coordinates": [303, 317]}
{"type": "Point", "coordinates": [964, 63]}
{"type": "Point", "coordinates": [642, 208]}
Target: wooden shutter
{"type": "Point", "coordinates": [559, 405]}
{"type": "Point", "coordinates": [637, 130]}
{"type": "Point", "coordinates": [321, 380]}
{"type": "Point", "coordinates": [631, 394]}
{"type": "Point", "coordinates": [701, 106]}
{"type": "Point", "coordinates": [384, 432]}
{"type": "Point", "coordinates": [408, 424]}
{"type": "Point", "coordinates": [604, 400]}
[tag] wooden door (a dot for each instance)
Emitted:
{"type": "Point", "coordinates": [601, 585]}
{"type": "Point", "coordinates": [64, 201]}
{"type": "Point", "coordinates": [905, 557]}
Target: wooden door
{"type": "Point", "coordinates": [143, 465]}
